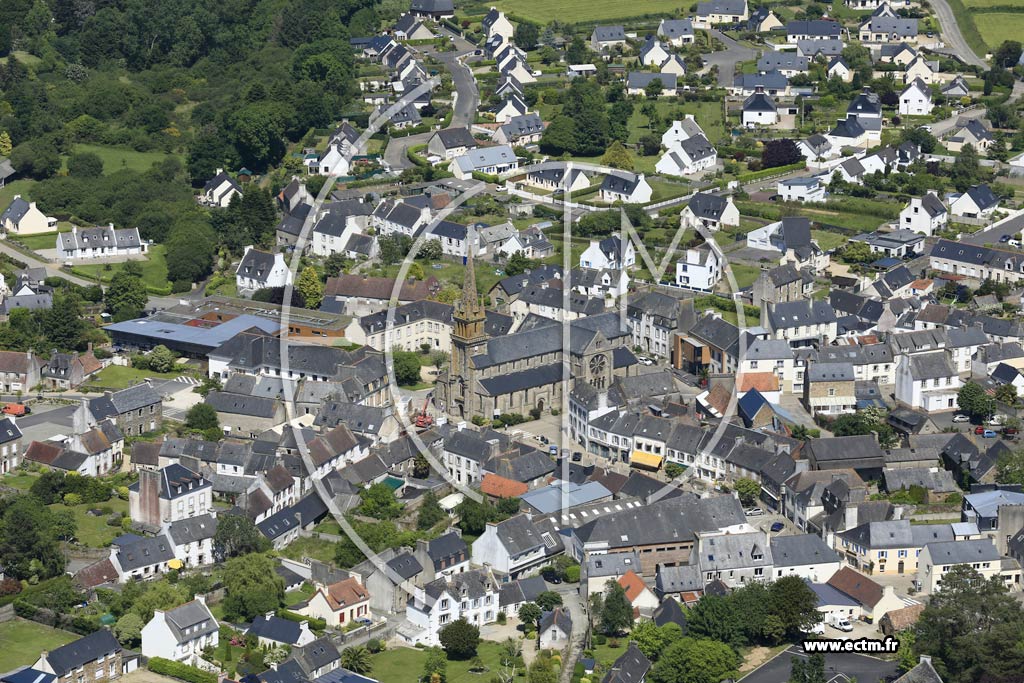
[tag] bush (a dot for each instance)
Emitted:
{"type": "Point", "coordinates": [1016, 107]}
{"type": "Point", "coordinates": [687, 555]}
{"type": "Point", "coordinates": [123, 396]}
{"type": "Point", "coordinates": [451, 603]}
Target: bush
{"type": "Point", "coordinates": [600, 639]}
{"type": "Point", "coordinates": [10, 587]}
{"type": "Point", "coordinates": [71, 499]}
{"type": "Point", "coordinates": [374, 645]}
{"type": "Point", "coordinates": [572, 573]}
{"type": "Point", "coordinates": [314, 624]}
{"type": "Point", "coordinates": [190, 674]}
{"type": "Point", "coordinates": [502, 618]}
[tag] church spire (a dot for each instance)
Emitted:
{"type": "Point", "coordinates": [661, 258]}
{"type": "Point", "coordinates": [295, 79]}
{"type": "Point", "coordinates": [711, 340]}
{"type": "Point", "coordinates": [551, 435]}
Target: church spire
{"type": "Point", "coordinates": [470, 296]}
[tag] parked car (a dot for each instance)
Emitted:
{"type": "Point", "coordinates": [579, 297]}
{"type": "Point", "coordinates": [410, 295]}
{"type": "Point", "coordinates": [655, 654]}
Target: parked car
{"type": "Point", "coordinates": [997, 420]}
{"type": "Point", "coordinates": [777, 527]}
{"type": "Point", "coordinates": [1004, 238]}
{"type": "Point", "coordinates": [1010, 431]}
{"type": "Point", "coordinates": [988, 434]}
{"type": "Point", "coordinates": [753, 512]}
{"type": "Point", "coordinates": [577, 457]}
{"type": "Point", "coordinates": [960, 417]}
{"type": "Point", "coordinates": [644, 360]}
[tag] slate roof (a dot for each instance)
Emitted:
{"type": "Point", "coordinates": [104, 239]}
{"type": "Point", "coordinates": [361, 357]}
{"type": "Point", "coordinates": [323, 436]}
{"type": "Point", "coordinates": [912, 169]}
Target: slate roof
{"type": "Point", "coordinates": [801, 550]}
{"type": "Point", "coordinates": [486, 157]}
{"type": "Point", "coordinates": [675, 28]}
{"type": "Point", "coordinates": [639, 80]}
{"type": "Point", "coordinates": [782, 61]}
{"type": "Point", "coordinates": [849, 128]}
{"type": "Point", "coordinates": [801, 313]}
{"type": "Point", "coordinates": [277, 629]}
{"type": "Point", "coordinates": [721, 7]}
{"type": "Point", "coordinates": [65, 659]}
{"type": "Point", "coordinates": [759, 102]}
{"type": "Point", "coordinates": [191, 620]}
{"type": "Point", "coordinates": [606, 34]}
{"type": "Point", "coordinates": [452, 138]}
{"type": "Point", "coordinates": [125, 401]}
{"type": "Point", "coordinates": [963, 552]}
{"type": "Point", "coordinates": [815, 27]}
{"type": "Point", "coordinates": [100, 236]}
{"type": "Point", "coordinates": [15, 211]}
{"type": "Point", "coordinates": [931, 365]}
{"type": "Point", "coordinates": [631, 667]}
{"type": "Point", "coordinates": [135, 552]}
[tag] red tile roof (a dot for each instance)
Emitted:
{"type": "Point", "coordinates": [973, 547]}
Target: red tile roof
{"type": "Point", "coordinates": [500, 487]}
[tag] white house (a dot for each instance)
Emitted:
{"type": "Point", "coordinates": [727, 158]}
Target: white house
{"type": "Point", "coordinates": [512, 106]}
{"type": "Point", "coordinates": [555, 628]}
{"type": "Point", "coordinates": [625, 187]}
{"type": "Point", "coordinates": [977, 202]}
{"type": "Point", "coordinates": [720, 12]}
{"type": "Point", "coordinates": [838, 68]}
{"type": "Point", "coordinates": [700, 269]}
{"type": "Point", "coordinates": [182, 633]}
{"type": "Point", "coordinates": [219, 190]}
{"type": "Point", "coordinates": [334, 231]}
{"type": "Point", "coordinates": [681, 130]}
{"type": "Point", "coordinates": [759, 110]}
{"type": "Point", "coordinates": [339, 604]}
{"type": "Point", "coordinates": [916, 99]}
{"type": "Point", "coordinates": [692, 155]}
{"type": "Point", "coordinates": [450, 143]}
{"type": "Point", "coordinates": [849, 132]}
{"type": "Point", "coordinates": [710, 211]}
{"type": "Point", "coordinates": [488, 160]}
{"type": "Point", "coordinates": [816, 147]}
{"type": "Point", "coordinates": [496, 23]}
{"type": "Point", "coordinates": [925, 215]}
{"type": "Point", "coordinates": [471, 595]}
{"type": "Point", "coordinates": [928, 381]}
{"type": "Point", "coordinates": [101, 241]}
{"type": "Point", "coordinates": [803, 189]}
{"type": "Point", "coordinates": [611, 253]}
{"type": "Point", "coordinates": [516, 545]}
{"type": "Point", "coordinates": [653, 52]}
{"type": "Point", "coordinates": [193, 539]}
{"type": "Point", "coordinates": [24, 218]}
{"type": "Point", "coordinates": [677, 32]}
{"type": "Point", "coordinates": [260, 269]}
{"type": "Point", "coordinates": [937, 559]}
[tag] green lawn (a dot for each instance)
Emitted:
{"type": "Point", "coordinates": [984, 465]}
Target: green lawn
{"type": "Point", "coordinates": [44, 240]}
{"type": "Point", "coordinates": [117, 158]}
{"type": "Point", "coordinates": [300, 595]}
{"type": "Point", "coordinates": [744, 274]}
{"type": "Point", "coordinates": [20, 479]}
{"type": "Point", "coordinates": [662, 190]}
{"type": "Point", "coordinates": [154, 269]}
{"type": "Point", "coordinates": [13, 187]}
{"type": "Point", "coordinates": [22, 641]}
{"type": "Point", "coordinates": [406, 664]}
{"type": "Point", "coordinates": [92, 529]}
{"type": "Point", "coordinates": [305, 546]}
{"type": "Point", "coordinates": [708, 114]}
{"type": "Point", "coordinates": [544, 11]}
{"type": "Point", "coordinates": [119, 376]}
{"type": "Point", "coordinates": [828, 240]}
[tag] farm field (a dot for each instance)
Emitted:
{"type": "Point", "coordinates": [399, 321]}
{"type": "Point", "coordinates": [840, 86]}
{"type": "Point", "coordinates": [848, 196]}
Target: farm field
{"type": "Point", "coordinates": [543, 11]}
{"type": "Point", "coordinates": [996, 27]}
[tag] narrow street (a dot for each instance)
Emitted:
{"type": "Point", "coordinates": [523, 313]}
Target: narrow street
{"type": "Point", "coordinates": [952, 36]}
{"type": "Point", "coordinates": [52, 269]}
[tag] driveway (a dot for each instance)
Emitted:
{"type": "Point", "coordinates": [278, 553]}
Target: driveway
{"type": "Point", "coordinates": [52, 269]}
{"type": "Point", "coordinates": [395, 156]}
{"type": "Point", "coordinates": [727, 59]}
{"type": "Point", "coordinates": [951, 35]}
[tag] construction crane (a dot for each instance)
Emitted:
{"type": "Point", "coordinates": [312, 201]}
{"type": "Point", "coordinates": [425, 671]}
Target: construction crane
{"type": "Point", "coordinates": [423, 419]}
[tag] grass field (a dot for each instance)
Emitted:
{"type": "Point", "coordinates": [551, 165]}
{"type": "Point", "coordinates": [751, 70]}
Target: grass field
{"type": "Point", "coordinates": [20, 480]}
{"type": "Point", "coordinates": [24, 640]}
{"type": "Point", "coordinates": [44, 240]}
{"type": "Point", "coordinates": [92, 529]}
{"type": "Point", "coordinates": [116, 158]}
{"type": "Point", "coordinates": [996, 27]}
{"type": "Point", "coordinates": [154, 268]}
{"type": "Point", "coordinates": [987, 3]}
{"type": "Point", "coordinates": [544, 11]}
{"type": "Point", "coordinates": [745, 275]}
{"type": "Point", "coordinates": [307, 546]}
{"type": "Point", "coordinates": [119, 377]}
{"type": "Point", "coordinates": [406, 664]}
{"type": "Point", "coordinates": [13, 187]}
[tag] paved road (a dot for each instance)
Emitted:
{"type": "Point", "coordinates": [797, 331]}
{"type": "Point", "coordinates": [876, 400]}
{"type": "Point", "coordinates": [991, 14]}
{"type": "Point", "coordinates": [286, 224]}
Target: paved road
{"type": "Point", "coordinates": [52, 269]}
{"type": "Point", "coordinates": [571, 598]}
{"type": "Point", "coordinates": [951, 35]}
{"type": "Point", "coordinates": [395, 154]}
{"type": "Point", "coordinates": [944, 126]}
{"type": "Point", "coordinates": [727, 59]}
{"type": "Point", "coordinates": [467, 96]}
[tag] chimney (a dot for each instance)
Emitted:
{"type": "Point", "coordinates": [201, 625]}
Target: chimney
{"type": "Point", "coordinates": [850, 516]}
{"type": "Point", "coordinates": [303, 625]}
{"type": "Point", "coordinates": [269, 614]}
{"type": "Point", "coordinates": [201, 599]}
{"type": "Point", "coordinates": [925, 659]}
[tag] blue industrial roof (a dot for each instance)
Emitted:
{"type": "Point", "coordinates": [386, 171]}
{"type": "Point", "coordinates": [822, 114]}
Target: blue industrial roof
{"type": "Point", "coordinates": [211, 337]}
{"type": "Point", "coordinates": [549, 498]}
{"type": "Point", "coordinates": [827, 595]}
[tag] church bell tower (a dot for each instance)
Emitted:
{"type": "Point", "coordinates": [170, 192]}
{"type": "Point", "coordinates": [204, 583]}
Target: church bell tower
{"type": "Point", "coordinates": [468, 336]}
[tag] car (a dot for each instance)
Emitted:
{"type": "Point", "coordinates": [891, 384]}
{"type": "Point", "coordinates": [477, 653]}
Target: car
{"type": "Point", "coordinates": [960, 417]}
{"type": "Point", "coordinates": [753, 512]}
{"type": "Point", "coordinates": [988, 434]}
{"type": "Point", "coordinates": [997, 421]}
{"type": "Point", "coordinates": [1004, 238]}
{"type": "Point", "coordinates": [16, 409]}
{"type": "Point", "coordinates": [543, 439]}
{"type": "Point", "coordinates": [1010, 431]}
{"type": "Point", "coordinates": [930, 35]}
{"type": "Point", "coordinates": [777, 527]}
{"type": "Point", "coordinates": [364, 620]}
{"type": "Point", "coordinates": [927, 128]}
{"type": "Point", "coordinates": [979, 430]}
{"type": "Point", "coordinates": [577, 457]}
{"type": "Point", "coordinates": [644, 360]}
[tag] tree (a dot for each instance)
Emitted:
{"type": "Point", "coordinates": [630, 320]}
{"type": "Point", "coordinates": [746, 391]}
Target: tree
{"type": "Point", "coordinates": [162, 359]}
{"type": "Point", "coordinates": [28, 547]}
{"type": "Point", "coordinates": [1007, 55]}
{"type": "Point", "coordinates": [559, 136]}
{"type": "Point", "coordinates": [253, 587]}
{"type": "Point", "coordinates": [310, 286]}
{"type": "Point", "coordinates": [128, 629]}
{"type": "Point", "coordinates": [748, 490]}
{"type": "Point", "coordinates": [692, 660]}
{"type": "Point", "coordinates": [548, 600]}
{"type": "Point", "coordinates": [542, 671]}
{"type": "Point", "coordinates": [617, 612]}
{"type": "Point", "coordinates": [920, 137]}
{"type": "Point", "coordinates": [420, 467]}
{"type": "Point", "coordinates": [63, 326]}
{"type": "Point", "coordinates": [794, 604]}
{"type": "Point", "coordinates": [1006, 393]}
{"type": "Point", "coordinates": [460, 639]}
{"type": "Point", "coordinates": [618, 156]}
{"type": "Point", "coordinates": [518, 264]}
{"type": "Point", "coordinates": [857, 252]}
{"type": "Point", "coordinates": [653, 88]}
{"type": "Point", "coordinates": [190, 251]}
{"type": "Point", "coordinates": [966, 168]}
{"type": "Point", "coordinates": [379, 501]}
{"type": "Point", "coordinates": [474, 516]}
{"type": "Point", "coordinates": [439, 358]}
{"type": "Point", "coordinates": [577, 52]}
{"type": "Point", "coordinates": [652, 639]}
{"type": "Point", "coordinates": [201, 417]}
{"type": "Point", "coordinates": [650, 145]}
{"type": "Point", "coordinates": [526, 35]}
{"type": "Point", "coordinates": [36, 159]}
{"type": "Point", "coordinates": [5, 143]}
{"type": "Point", "coordinates": [85, 165]}
{"type": "Point", "coordinates": [430, 512]}
{"type": "Point", "coordinates": [357, 659]}
{"type": "Point", "coordinates": [237, 535]}
{"type": "Point", "coordinates": [529, 614]}
{"type": "Point", "coordinates": [407, 367]}
{"type": "Point", "coordinates": [435, 669]}
{"type": "Point", "coordinates": [126, 296]}
{"type": "Point", "coordinates": [973, 400]}
{"type": "Point", "coordinates": [782, 152]}
{"type": "Point", "coordinates": [1010, 467]}
{"type": "Point", "coordinates": [507, 507]}
{"type": "Point", "coordinates": [430, 251]}
{"type": "Point", "coordinates": [394, 248]}
{"type": "Point", "coordinates": [65, 525]}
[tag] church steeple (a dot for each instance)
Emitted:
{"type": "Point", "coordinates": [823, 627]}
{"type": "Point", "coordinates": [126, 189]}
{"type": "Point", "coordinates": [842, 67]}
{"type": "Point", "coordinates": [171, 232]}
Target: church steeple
{"type": "Point", "coordinates": [469, 312]}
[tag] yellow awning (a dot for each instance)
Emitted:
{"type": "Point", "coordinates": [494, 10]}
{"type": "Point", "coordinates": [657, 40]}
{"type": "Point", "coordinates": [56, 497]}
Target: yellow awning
{"type": "Point", "coordinates": [646, 460]}
{"type": "Point", "coordinates": [175, 564]}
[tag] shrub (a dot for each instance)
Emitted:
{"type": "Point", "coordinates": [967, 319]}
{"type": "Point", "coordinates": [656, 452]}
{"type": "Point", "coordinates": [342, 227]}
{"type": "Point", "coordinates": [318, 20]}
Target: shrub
{"type": "Point", "coordinates": [374, 645]}
{"type": "Point", "coordinates": [502, 618]}
{"type": "Point", "coordinates": [10, 587]}
{"type": "Point", "coordinates": [600, 639]}
{"type": "Point", "coordinates": [572, 573]}
{"type": "Point", "coordinates": [190, 674]}
{"type": "Point", "coordinates": [71, 499]}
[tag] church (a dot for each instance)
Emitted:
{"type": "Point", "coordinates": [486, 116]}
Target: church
{"type": "Point", "coordinates": [519, 372]}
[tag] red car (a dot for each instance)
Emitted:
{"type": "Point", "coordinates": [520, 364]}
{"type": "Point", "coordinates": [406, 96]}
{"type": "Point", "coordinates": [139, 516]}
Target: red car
{"type": "Point", "coordinates": [979, 430]}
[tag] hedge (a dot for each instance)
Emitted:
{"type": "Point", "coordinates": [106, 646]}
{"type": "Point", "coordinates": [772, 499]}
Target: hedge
{"type": "Point", "coordinates": [314, 623]}
{"type": "Point", "coordinates": [184, 672]}
{"type": "Point", "coordinates": [767, 172]}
